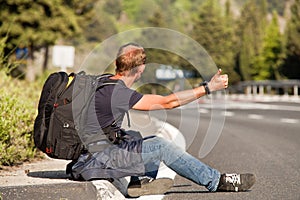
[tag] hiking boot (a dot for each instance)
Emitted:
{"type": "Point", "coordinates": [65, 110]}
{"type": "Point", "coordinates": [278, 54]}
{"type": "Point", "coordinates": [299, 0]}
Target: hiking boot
{"type": "Point", "coordinates": [236, 182]}
{"type": "Point", "coordinates": [149, 186]}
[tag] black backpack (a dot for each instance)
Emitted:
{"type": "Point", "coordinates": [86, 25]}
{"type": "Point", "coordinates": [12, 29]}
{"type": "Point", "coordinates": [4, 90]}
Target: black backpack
{"type": "Point", "coordinates": [62, 111]}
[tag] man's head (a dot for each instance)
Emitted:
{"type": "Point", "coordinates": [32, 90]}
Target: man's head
{"type": "Point", "coordinates": [129, 58]}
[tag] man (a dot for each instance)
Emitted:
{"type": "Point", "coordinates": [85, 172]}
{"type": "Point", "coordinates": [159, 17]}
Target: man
{"type": "Point", "coordinates": [122, 154]}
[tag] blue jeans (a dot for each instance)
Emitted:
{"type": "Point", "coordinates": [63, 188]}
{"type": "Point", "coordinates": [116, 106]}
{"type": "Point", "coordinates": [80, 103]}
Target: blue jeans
{"type": "Point", "coordinates": [156, 149]}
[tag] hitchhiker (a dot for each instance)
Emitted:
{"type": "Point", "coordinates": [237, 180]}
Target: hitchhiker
{"type": "Point", "coordinates": [123, 154]}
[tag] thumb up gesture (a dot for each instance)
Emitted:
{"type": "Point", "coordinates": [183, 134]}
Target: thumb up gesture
{"type": "Point", "coordinates": [218, 81]}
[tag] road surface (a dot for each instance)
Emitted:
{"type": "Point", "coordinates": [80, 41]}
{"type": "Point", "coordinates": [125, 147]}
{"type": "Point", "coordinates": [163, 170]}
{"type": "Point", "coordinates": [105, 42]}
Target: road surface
{"type": "Point", "coordinates": [263, 139]}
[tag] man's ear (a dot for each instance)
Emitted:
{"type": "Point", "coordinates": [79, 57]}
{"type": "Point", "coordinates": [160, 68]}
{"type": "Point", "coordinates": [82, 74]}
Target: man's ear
{"type": "Point", "coordinates": [132, 72]}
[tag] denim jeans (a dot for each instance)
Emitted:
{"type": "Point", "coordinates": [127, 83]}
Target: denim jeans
{"type": "Point", "coordinates": [156, 149]}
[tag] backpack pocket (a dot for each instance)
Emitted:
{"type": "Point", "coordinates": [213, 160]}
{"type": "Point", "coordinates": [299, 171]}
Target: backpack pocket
{"type": "Point", "coordinates": [66, 147]}
{"type": "Point", "coordinates": [64, 141]}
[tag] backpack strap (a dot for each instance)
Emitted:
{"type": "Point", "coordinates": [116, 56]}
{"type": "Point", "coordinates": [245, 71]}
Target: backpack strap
{"type": "Point", "coordinates": [101, 84]}
{"type": "Point", "coordinates": [128, 120]}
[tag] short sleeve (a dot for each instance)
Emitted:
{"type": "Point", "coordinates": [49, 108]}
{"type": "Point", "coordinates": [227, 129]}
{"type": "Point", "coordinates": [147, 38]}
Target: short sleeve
{"type": "Point", "coordinates": [123, 98]}
{"type": "Point", "coordinates": [135, 97]}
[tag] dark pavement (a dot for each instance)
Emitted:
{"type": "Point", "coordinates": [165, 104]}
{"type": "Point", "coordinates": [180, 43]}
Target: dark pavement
{"type": "Point", "coordinates": [261, 140]}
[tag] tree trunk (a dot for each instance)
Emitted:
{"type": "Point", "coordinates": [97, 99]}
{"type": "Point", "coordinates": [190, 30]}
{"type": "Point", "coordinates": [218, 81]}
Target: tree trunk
{"type": "Point", "coordinates": [30, 74]}
{"type": "Point", "coordinates": [46, 58]}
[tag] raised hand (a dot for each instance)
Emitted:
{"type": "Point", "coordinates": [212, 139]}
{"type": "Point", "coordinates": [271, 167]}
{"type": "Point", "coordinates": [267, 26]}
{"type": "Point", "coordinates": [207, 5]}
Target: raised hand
{"type": "Point", "coordinates": [218, 81]}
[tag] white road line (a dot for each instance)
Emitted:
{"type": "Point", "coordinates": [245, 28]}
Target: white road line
{"type": "Point", "coordinates": [202, 110]}
{"type": "Point", "coordinates": [254, 116]}
{"type": "Point", "coordinates": [228, 114]}
{"type": "Point", "coordinates": [289, 121]}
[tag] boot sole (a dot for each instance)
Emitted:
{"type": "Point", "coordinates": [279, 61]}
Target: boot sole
{"type": "Point", "coordinates": [248, 180]}
{"type": "Point", "coordinates": [157, 186]}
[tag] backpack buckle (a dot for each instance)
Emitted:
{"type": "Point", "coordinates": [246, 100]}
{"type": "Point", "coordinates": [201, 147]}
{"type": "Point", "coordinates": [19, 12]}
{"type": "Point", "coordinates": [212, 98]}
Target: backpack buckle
{"type": "Point", "coordinates": [66, 125]}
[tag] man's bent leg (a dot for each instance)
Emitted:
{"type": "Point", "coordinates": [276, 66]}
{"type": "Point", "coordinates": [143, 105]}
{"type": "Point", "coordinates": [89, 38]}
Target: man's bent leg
{"type": "Point", "coordinates": [181, 162]}
{"type": "Point", "coordinates": [148, 184]}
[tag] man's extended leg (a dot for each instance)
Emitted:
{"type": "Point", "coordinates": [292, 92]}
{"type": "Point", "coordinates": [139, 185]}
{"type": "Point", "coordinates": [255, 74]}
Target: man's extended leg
{"type": "Point", "coordinates": [184, 164]}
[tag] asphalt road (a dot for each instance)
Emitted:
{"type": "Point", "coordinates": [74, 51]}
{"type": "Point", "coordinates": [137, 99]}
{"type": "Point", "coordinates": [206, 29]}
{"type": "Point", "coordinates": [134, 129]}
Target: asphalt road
{"type": "Point", "coordinates": [263, 139]}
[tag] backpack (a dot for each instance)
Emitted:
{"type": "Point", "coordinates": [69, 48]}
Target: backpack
{"type": "Point", "coordinates": [62, 113]}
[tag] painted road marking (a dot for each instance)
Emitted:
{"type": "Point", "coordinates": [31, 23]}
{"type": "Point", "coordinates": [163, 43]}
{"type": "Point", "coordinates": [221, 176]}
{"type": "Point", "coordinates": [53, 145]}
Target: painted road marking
{"type": "Point", "coordinates": [202, 110]}
{"type": "Point", "coordinates": [254, 116]}
{"type": "Point", "coordinates": [289, 121]}
{"type": "Point", "coordinates": [228, 113]}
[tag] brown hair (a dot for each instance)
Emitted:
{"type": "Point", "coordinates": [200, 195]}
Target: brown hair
{"type": "Point", "coordinates": [129, 57]}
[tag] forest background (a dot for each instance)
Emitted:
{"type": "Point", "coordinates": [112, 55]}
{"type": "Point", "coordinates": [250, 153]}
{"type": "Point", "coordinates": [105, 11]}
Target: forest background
{"type": "Point", "coordinates": [249, 39]}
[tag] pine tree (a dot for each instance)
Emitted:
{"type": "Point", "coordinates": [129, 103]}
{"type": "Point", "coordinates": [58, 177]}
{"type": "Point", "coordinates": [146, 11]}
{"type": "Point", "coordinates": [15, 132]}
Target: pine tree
{"type": "Point", "coordinates": [251, 27]}
{"type": "Point", "coordinates": [271, 57]}
{"type": "Point", "coordinates": [214, 32]}
{"type": "Point", "coordinates": [231, 41]}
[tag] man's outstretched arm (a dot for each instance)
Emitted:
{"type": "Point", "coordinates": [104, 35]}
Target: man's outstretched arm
{"type": "Point", "coordinates": [156, 102]}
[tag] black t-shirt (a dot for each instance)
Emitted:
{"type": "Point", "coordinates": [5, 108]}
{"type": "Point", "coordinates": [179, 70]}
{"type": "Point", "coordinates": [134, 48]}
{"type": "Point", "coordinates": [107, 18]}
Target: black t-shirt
{"type": "Point", "coordinates": [113, 101]}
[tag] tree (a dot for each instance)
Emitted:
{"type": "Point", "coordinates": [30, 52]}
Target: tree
{"type": "Point", "coordinates": [36, 24]}
{"type": "Point", "coordinates": [250, 30]}
{"type": "Point", "coordinates": [214, 32]}
{"type": "Point", "coordinates": [101, 23]}
{"type": "Point", "coordinates": [231, 41]}
{"type": "Point", "coordinates": [291, 68]}
{"type": "Point", "coordinates": [277, 5]}
{"type": "Point", "coordinates": [271, 57]}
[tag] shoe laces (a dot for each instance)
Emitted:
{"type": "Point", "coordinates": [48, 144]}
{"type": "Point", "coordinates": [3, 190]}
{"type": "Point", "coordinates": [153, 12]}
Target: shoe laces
{"type": "Point", "coordinates": [234, 179]}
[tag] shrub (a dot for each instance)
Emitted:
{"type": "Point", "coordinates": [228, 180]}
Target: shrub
{"type": "Point", "coordinates": [18, 103]}
{"type": "Point", "coordinates": [18, 107]}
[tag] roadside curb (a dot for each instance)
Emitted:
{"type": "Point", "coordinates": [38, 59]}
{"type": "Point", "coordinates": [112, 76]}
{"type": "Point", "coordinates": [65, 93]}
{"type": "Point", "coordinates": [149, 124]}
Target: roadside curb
{"type": "Point", "coordinates": [46, 179]}
{"type": "Point", "coordinates": [84, 190]}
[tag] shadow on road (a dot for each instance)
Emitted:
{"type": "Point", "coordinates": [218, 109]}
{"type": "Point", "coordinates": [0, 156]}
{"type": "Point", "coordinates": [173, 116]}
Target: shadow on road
{"type": "Point", "coordinates": [60, 174]}
{"type": "Point", "coordinates": [186, 192]}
